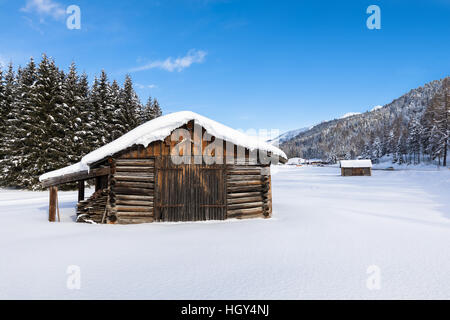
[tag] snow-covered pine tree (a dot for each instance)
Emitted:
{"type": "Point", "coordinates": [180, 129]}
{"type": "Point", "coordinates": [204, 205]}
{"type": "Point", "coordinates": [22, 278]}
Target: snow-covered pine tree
{"type": "Point", "coordinates": [377, 149]}
{"type": "Point", "coordinates": [416, 136]}
{"type": "Point", "coordinates": [49, 119]}
{"type": "Point", "coordinates": [117, 130]}
{"type": "Point", "coordinates": [401, 148]}
{"type": "Point", "coordinates": [74, 109]}
{"type": "Point", "coordinates": [3, 127]}
{"type": "Point", "coordinates": [443, 120]}
{"type": "Point", "coordinates": [151, 110]}
{"type": "Point", "coordinates": [48, 150]}
{"type": "Point", "coordinates": [22, 127]}
{"type": "Point", "coordinates": [146, 111]}
{"type": "Point", "coordinates": [7, 134]}
{"type": "Point", "coordinates": [103, 112]}
{"type": "Point", "coordinates": [436, 122]}
{"type": "Point", "coordinates": [108, 107]}
{"type": "Point", "coordinates": [156, 109]}
{"type": "Point", "coordinates": [84, 133]}
{"type": "Point", "coordinates": [130, 107]}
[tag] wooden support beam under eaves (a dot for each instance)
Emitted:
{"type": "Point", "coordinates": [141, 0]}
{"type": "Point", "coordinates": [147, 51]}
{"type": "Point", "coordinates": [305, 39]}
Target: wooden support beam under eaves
{"type": "Point", "coordinates": [52, 204]}
{"type": "Point", "coordinates": [80, 190]}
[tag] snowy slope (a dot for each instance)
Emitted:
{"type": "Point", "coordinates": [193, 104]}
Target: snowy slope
{"type": "Point", "coordinates": [326, 231]}
{"type": "Point", "coordinates": [286, 136]}
{"type": "Point", "coordinates": [349, 114]}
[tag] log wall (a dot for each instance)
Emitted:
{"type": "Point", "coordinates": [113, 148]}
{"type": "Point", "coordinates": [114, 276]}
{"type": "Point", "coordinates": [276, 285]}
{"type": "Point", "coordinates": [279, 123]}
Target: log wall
{"type": "Point", "coordinates": [248, 191]}
{"type": "Point", "coordinates": [356, 171]}
{"type": "Point", "coordinates": [132, 191]}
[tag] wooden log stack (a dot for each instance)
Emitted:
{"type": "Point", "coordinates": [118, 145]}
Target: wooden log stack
{"type": "Point", "coordinates": [93, 208]}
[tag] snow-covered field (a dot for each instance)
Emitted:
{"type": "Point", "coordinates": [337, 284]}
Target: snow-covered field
{"type": "Point", "coordinates": [326, 232]}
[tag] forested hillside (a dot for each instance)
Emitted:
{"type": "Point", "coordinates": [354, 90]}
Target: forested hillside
{"type": "Point", "coordinates": [50, 119]}
{"type": "Point", "coordinates": [410, 128]}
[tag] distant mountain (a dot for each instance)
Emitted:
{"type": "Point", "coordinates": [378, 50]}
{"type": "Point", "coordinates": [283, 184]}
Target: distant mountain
{"type": "Point", "coordinates": [287, 136]}
{"type": "Point", "coordinates": [353, 134]}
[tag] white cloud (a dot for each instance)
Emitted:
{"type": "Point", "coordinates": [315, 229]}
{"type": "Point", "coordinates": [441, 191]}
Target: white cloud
{"type": "Point", "coordinates": [45, 8]}
{"type": "Point", "coordinates": [145, 86]}
{"type": "Point", "coordinates": [178, 64]}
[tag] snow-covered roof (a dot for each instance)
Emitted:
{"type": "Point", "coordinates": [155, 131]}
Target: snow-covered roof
{"type": "Point", "coordinates": [356, 164]}
{"type": "Point", "coordinates": [159, 129]}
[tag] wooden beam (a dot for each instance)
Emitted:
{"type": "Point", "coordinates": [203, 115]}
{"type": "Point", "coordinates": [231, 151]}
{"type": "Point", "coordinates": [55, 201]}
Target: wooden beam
{"type": "Point", "coordinates": [73, 177]}
{"type": "Point", "coordinates": [52, 204]}
{"type": "Point", "coordinates": [80, 190]}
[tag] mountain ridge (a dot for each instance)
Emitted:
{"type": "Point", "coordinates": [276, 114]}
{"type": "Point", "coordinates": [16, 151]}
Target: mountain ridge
{"type": "Point", "coordinates": [348, 137]}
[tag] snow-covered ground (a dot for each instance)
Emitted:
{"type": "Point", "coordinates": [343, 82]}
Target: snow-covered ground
{"type": "Point", "coordinates": [326, 232]}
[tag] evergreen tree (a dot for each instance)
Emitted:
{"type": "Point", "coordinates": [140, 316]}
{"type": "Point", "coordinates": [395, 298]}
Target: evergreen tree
{"type": "Point", "coordinates": [103, 109]}
{"type": "Point", "coordinates": [47, 149]}
{"type": "Point", "coordinates": [401, 148]}
{"type": "Point", "coordinates": [146, 111]}
{"type": "Point", "coordinates": [156, 109]}
{"type": "Point", "coordinates": [7, 103]}
{"type": "Point", "coordinates": [436, 122]}
{"type": "Point", "coordinates": [376, 149]}
{"type": "Point", "coordinates": [49, 119]}
{"type": "Point", "coordinates": [414, 139]}
{"type": "Point", "coordinates": [130, 107]}
{"type": "Point", "coordinates": [84, 135]}
{"type": "Point", "coordinates": [22, 127]}
{"type": "Point", "coordinates": [73, 110]}
{"type": "Point", "coordinates": [3, 127]}
{"type": "Point", "coordinates": [151, 110]}
{"type": "Point", "coordinates": [117, 130]}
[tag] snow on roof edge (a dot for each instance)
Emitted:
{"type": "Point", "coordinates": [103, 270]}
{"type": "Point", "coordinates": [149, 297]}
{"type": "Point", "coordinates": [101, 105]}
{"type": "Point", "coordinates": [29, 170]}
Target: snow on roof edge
{"type": "Point", "coordinates": [159, 129]}
{"type": "Point", "coordinates": [77, 167]}
{"type": "Point", "coordinates": [356, 163]}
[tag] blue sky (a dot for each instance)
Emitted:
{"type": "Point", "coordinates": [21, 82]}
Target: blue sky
{"type": "Point", "coordinates": [249, 64]}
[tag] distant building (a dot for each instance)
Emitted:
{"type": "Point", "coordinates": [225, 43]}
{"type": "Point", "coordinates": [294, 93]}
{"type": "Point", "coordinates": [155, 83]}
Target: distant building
{"type": "Point", "coordinates": [315, 161]}
{"type": "Point", "coordinates": [296, 161]}
{"type": "Point", "coordinates": [356, 167]}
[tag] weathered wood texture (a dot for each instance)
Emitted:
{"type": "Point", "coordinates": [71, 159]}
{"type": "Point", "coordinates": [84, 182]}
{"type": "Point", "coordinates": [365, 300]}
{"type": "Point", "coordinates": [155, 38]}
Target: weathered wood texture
{"type": "Point", "coordinates": [356, 171]}
{"type": "Point", "coordinates": [93, 208]}
{"type": "Point", "coordinates": [53, 202]}
{"type": "Point", "coordinates": [197, 147]}
{"type": "Point", "coordinates": [73, 177]}
{"type": "Point", "coordinates": [189, 192]}
{"type": "Point", "coordinates": [132, 190]}
{"type": "Point", "coordinates": [248, 191]}
{"type": "Point", "coordinates": [80, 190]}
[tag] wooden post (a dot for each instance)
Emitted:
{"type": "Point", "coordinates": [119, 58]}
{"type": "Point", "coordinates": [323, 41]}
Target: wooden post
{"type": "Point", "coordinates": [80, 190]}
{"type": "Point", "coordinates": [52, 204]}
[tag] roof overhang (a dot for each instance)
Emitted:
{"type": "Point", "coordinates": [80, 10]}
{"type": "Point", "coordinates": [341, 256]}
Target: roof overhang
{"type": "Point", "coordinates": [76, 176]}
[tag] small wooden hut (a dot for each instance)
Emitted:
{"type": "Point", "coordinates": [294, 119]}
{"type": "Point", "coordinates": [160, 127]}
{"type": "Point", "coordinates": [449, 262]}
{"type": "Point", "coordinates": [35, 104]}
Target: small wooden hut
{"type": "Point", "coordinates": [139, 177]}
{"type": "Point", "coordinates": [356, 167]}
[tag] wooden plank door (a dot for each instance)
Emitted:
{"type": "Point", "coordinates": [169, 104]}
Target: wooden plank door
{"type": "Point", "coordinates": [213, 196]}
{"type": "Point", "coordinates": [190, 192]}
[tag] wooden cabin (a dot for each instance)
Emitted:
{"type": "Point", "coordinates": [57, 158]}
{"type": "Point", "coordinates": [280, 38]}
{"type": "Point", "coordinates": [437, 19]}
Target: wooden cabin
{"type": "Point", "coordinates": [356, 167]}
{"type": "Point", "coordinates": [137, 179]}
